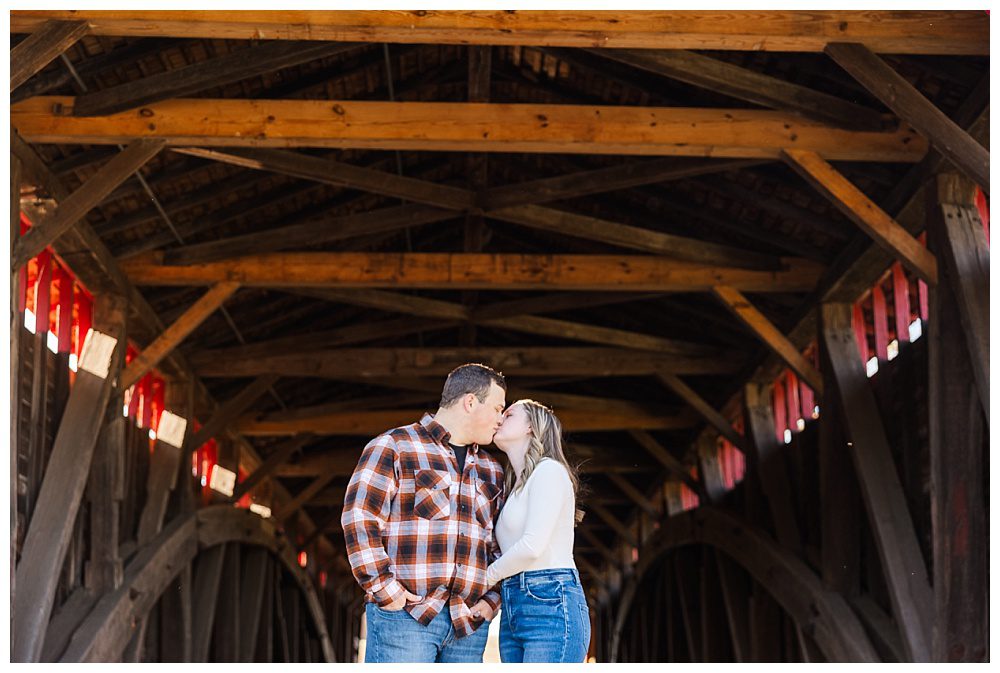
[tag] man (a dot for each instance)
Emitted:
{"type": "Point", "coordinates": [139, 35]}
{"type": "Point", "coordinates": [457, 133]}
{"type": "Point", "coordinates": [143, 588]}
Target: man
{"type": "Point", "coordinates": [418, 526]}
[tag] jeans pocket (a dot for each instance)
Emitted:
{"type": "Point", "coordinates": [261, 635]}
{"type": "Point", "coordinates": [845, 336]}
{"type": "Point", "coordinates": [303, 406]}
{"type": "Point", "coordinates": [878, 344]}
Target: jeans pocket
{"type": "Point", "coordinates": [544, 590]}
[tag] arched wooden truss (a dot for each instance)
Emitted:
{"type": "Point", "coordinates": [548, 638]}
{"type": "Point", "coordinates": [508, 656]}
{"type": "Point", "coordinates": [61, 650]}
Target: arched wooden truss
{"type": "Point", "coordinates": [205, 537]}
{"type": "Point", "coordinates": [820, 613]}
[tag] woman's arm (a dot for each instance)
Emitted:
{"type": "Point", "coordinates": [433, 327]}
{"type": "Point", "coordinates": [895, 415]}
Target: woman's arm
{"type": "Point", "coordinates": [548, 492]}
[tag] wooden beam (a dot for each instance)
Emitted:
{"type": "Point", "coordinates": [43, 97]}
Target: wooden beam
{"type": "Point", "coordinates": [309, 233]}
{"type": "Point", "coordinates": [748, 85]}
{"type": "Point", "coordinates": [931, 32]}
{"type": "Point", "coordinates": [875, 222]}
{"type": "Point", "coordinates": [595, 542]}
{"type": "Point", "coordinates": [303, 497]}
{"type": "Point", "coordinates": [710, 469]}
{"type": "Point", "coordinates": [470, 127]}
{"type": "Point", "coordinates": [228, 412]}
{"type": "Point", "coordinates": [772, 337]}
{"type": "Point", "coordinates": [472, 271]}
{"type": "Point", "coordinates": [902, 562]}
{"type": "Point", "coordinates": [901, 97]}
{"type": "Point", "coordinates": [207, 576]}
{"type": "Point", "coordinates": [73, 208]}
{"type": "Point", "coordinates": [735, 596]}
{"type": "Point", "coordinates": [601, 180]}
{"type": "Point", "coordinates": [372, 422]}
{"type": "Point", "coordinates": [633, 238]}
{"type": "Point", "coordinates": [194, 316]}
{"type": "Point", "coordinates": [44, 44]}
{"type": "Point", "coordinates": [707, 411]}
{"type": "Point", "coordinates": [957, 233]}
{"type": "Point", "coordinates": [657, 450]}
{"type": "Point", "coordinates": [251, 596]}
{"type": "Point", "coordinates": [214, 72]}
{"type": "Point", "coordinates": [60, 494]}
{"type": "Point", "coordinates": [634, 494]}
{"type": "Point", "coordinates": [623, 532]}
{"type": "Point", "coordinates": [769, 459]}
{"type": "Point", "coordinates": [538, 361]}
{"type": "Point", "coordinates": [275, 459]}
{"type": "Point", "coordinates": [959, 444]}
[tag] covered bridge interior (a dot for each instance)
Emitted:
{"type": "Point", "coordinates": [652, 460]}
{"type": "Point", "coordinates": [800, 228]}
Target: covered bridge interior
{"type": "Point", "coordinates": [744, 256]}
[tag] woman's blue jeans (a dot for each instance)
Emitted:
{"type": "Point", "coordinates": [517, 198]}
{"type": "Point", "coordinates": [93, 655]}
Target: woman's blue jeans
{"type": "Point", "coordinates": [544, 617]}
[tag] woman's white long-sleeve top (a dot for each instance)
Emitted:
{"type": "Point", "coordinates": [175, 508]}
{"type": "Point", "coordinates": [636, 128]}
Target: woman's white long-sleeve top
{"type": "Point", "coordinates": [535, 528]}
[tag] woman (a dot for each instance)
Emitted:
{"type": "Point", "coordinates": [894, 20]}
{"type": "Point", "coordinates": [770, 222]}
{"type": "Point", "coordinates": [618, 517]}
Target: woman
{"type": "Point", "coordinates": [544, 612]}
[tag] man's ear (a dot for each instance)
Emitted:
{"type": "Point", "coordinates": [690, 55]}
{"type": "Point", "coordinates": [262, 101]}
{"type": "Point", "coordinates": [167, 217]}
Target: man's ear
{"type": "Point", "coordinates": [467, 401]}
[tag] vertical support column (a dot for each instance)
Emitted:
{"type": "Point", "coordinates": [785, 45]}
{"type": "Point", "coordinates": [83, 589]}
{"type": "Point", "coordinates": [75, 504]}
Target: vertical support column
{"type": "Point", "coordinates": [959, 429]}
{"type": "Point", "coordinates": [16, 316]}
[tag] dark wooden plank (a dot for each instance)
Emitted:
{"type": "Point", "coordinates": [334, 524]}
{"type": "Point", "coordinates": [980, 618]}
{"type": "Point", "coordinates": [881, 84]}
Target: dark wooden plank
{"type": "Point", "coordinates": [957, 234]}
{"type": "Point", "coordinates": [264, 648]}
{"type": "Point", "coordinates": [748, 85]}
{"type": "Point", "coordinates": [688, 607]}
{"type": "Point", "coordinates": [278, 455]}
{"type": "Point", "coordinates": [765, 627]}
{"type": "Point", "coordinates": [227, 636]}
{"type": "Point", "coordinates": [76, 205]}
{"type": "Point", "coordinates": [601, 180]}
{"type": "Point", "coordinates": [633, 238]}
{"type": "Point", "coordinates": [707, 411]}
{"type": "Point", "coordinates": [658, 451]}
{"type": "Point", "coordinates": [65, 620]}
{"type": "Point", "coordinates": [885, 502]}
{"type": "Point", "coordinates": [710, 468]}
{"type": "Point", "coordinates": [214, 72]}
{"type": "Point", "coordinates": [309, 233]}
{"type": "Point", "coordinates": [281, 623]}
{"type": "Point", "coordinates": [624, 532]}
{"type": "Point", "coordinates": [595, 542]}
{"type": "Point", "coordinates": [207, 578]}
{"type": "Point", "coordinates": [901, 97]}
{"type": "Point", "coordinates": [715, 639]}
{"type": "Point", "coordinates": [16, 322]}
{"type": "Point", "coordinates": [41, 47]}
{"type": "Point", "coordinates": [771, 465]}
{"type": "Point", "coordinates": [634, 494]}
{"type": "Point", "coordinates": [61, 492]}
{"type": "Point", "coordinates": [959, 461]}
{"type": "Point", "coordinates": [106, 490]}
{"type": "Point", "coordinates": [303, 497]}
{"type": "Point", "coordinates": [230, 410]}
{"type": "Point", "coordinates": [175, 627]}
{"type": "Point", "coordinates": [736, 598]}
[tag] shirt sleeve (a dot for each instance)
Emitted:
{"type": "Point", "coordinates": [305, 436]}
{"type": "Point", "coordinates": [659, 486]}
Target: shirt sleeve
{"type": "Point", "coordinates": [546, 496]}
{"type": "Point", "coordinates": [367, 504]}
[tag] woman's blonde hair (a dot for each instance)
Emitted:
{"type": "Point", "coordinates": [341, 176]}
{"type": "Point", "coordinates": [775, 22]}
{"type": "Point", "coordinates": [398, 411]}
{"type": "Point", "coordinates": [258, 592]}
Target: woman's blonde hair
{"type": "Point", "coordinates": [546, 442]}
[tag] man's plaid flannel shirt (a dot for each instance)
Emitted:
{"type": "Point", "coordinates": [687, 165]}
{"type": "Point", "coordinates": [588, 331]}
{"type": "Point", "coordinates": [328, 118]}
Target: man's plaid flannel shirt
{"type": "Point", "coordinates": [412, 522]}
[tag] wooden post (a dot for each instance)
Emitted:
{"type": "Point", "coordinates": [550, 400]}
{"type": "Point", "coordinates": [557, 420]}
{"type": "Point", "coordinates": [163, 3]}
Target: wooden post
{"type": "Point", "coordinates": [264, 649]}
{"type": "Point", "coordinates": [735, 596]}
{"type": "Point", "coordinates": [771, 466]}
{"type": "Point", "coordinates": [714, 640]}
{"type": "Point", "coordinates": [710, 469]}
{"type": "Point", "coordinates": [62, 488]}
{"type": "Point", "coordinates": [15, 321]}
{"type": "Point", "coordinates": [175, 627]}
{"type": "Point", "coordinates": [959, 433]}
{"type": "Point", "coordinates": [227, 634]}
{"type": "Point", "coordinates": [251, 596]}
{"type": "Point", "coordinates": [885, 502]}
{"type": "Point", "coordinates": [206, 591]}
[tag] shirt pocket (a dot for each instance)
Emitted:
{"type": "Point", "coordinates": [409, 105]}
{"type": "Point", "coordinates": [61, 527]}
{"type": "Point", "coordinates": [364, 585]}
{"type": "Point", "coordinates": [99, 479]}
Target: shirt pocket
{"type": "Point", "coordinates": [432, 494]}
{"type": "Point", "coordinates": [487, 494]}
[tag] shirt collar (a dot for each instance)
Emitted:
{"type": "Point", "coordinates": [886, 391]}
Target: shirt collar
{"type": "Point", "coordinates": [439, 434]}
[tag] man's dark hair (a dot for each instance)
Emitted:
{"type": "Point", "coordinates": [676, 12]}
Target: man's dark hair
{"type": "Point", "coordinates": [471, 378]}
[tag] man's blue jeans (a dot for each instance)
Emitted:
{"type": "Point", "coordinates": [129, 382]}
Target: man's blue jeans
{"type": "Point", "coordinates": [396, 637]}
{"type": "Point", "coordinates": [544, 617]}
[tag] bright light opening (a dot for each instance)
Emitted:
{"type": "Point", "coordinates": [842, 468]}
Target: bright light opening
{"type": "Point", "coordinates": [800, 424]}
{"type": "Point", "coordinates": [223, 480]}
{"type": "Point", "coordinates": [871, 367]}
{"type": "Point", "coordinates": [204, 480]}
{"type": "Point", "coordinates": [125, 410]}
{"type": "Point", "coordinates": [152, 434]}
{"type": "Point", "coordinates": [788, 436]}
{"type": "Point", "coordinates": [72, 362]}
{"type": "Point", "coordinates": [261, 510]}
{"type": "Point", "coordinates": [303, 559]}
{"type": "Point", "coordinates": [816, 411]}
{"type": "Point", "coordinates": [916, 329]}
{"type": "Point", "coordinates": [29, 321]}
{"type": "Point", "coordinates": [52, 341]}
{"type": "Point", "coordinates": [893, 349]}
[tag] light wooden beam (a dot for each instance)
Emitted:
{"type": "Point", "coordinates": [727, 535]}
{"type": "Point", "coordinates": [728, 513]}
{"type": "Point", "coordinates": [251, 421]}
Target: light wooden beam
{"type": "Point", "coordinates": [173, 335]}
{"type": "Point", "coordinates": [472, 271]}
{"type": "Point", "coordinates": [901, 97]}
{"type": "Point", "coordinates": [913, 32]}
{"type": "Point", "coordinates": [374, 422]}
{"type": "Point", "coordinates": [772, 337]}
{"type": "Point", "coordinates": [366, 363]}
{"type": "Point", "coordinates": [748, 85]}
{"type": "Point", "coordinates": [73, 208]}
{"type": "Point", "coordinates": [861, 210]}
{"type": "Point", "coordinates": [46, 43]}
{"type": "Point", "coordinates": [465, 127]}
{"type": "Point", "coordinates": [303, 497]}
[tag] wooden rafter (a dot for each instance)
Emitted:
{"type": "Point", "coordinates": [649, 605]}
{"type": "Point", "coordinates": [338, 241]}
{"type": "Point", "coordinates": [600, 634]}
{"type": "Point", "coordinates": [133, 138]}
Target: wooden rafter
{"type": "Point", "coordinates": [931, 32]}
{"type": "Point", "coordinates": [465, 127]}
{"type": "Point", "coordinates": [473, 271]}
{"type": "Point", "coordinates": [901, 97]}
{"type": "Point", "coordinates": [707, 411]}
{"type": "Point", "coordinates": [46, 43]}
{"type": "Point", "coordinates": [230, 410]}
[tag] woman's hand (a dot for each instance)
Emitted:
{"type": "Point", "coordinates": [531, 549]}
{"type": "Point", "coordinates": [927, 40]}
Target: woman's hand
{"type": "Point", "coordinates": [482, 610]}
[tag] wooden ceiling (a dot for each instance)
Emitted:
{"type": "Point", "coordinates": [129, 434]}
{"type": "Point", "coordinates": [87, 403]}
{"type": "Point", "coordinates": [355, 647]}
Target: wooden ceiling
{"type": "Point", "coordinates": [561, 195]}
